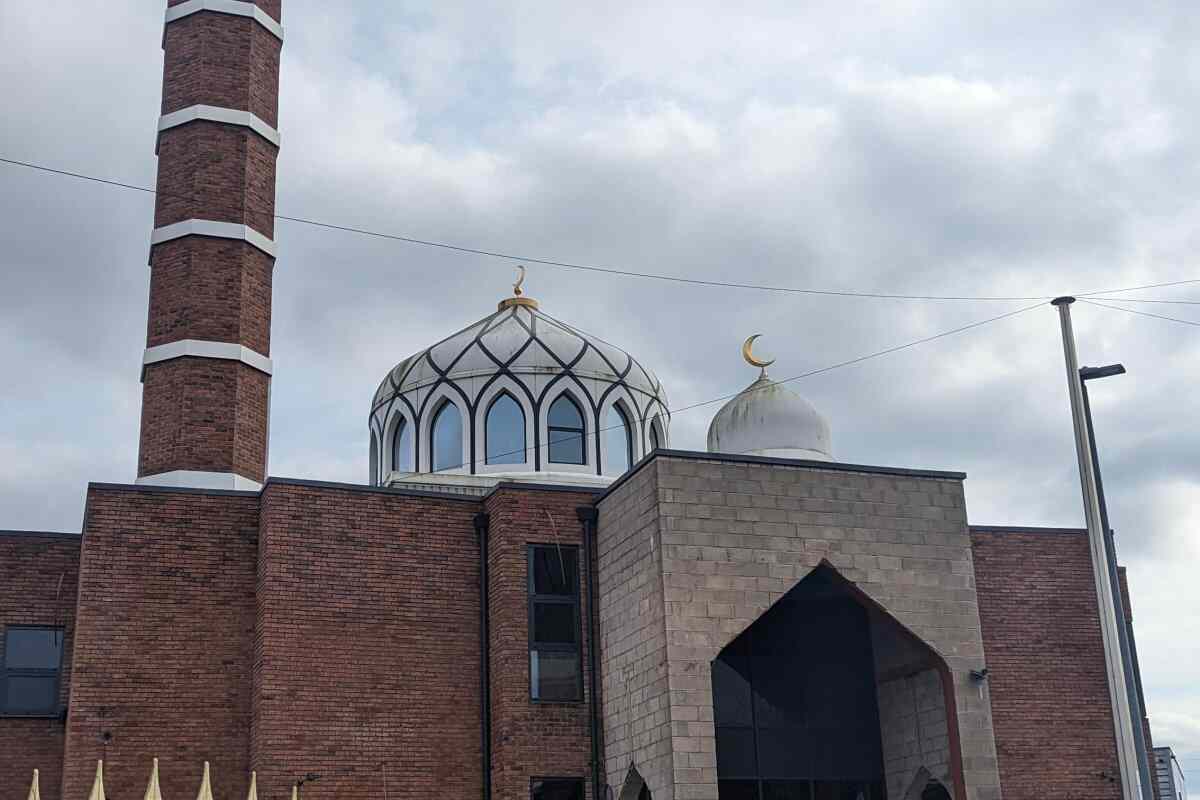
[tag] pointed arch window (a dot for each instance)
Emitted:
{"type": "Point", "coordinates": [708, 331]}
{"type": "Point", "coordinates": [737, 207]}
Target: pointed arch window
{"type": "Point", "coordinates": [402, 447]}
{"type": "Point", "coordinates": [618, 443]}
{"type": "Point", "coordinates": [505, 431]}
{"type": "Point", "coordinates": [566, 432]}
{"type": "Point", "coordinates": [446, 438]}
{"type": "Point", "coordinates": [374, 467]}
{"type": "Point", "coordinates": [655, 434]}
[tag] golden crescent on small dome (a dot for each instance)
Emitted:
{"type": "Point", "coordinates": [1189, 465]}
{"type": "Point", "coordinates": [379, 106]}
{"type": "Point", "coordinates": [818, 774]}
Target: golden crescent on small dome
{"type": "Point", "coordinates": [520, 280]}
{"type": "Point", "coordinates": [748, 354]}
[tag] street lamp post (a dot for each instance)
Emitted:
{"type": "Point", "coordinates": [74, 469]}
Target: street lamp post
{"type": "Point", "coordinates": [1123, 723]}
{"type": "Point", "coordinates": [1133, 687]}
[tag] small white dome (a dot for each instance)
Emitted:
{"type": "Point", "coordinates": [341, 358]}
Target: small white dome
{"type": "Point", "coordinates": [769, 419]}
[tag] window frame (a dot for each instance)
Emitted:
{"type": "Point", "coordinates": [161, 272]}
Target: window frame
{"type": "Point", "coordinates": [438, 410]}
{"type": "Point", "coordinates": [487, 425]}
{"type": "Point", "coordinates": [533, 600]}
{"type": "Point", "coordinates": [581, 431]}
{"type": "Point", "coordinates": [402, 425]}
{"type": "Point", "coordinates": [56, 673]}
{"type": "Point", "coordinates": [582, 782]}
{"type": "Point", "coordinates": [606, 468]}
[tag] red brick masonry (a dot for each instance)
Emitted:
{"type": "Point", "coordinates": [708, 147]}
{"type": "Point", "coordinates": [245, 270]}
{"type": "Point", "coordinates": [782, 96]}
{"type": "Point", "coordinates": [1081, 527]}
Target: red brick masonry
{"type": "Point", "coordinates": [202, 414]}
{"type": "Point", "coordinates": [39, 573]}
{"type": "Point", "coordinates": [1049, 690]}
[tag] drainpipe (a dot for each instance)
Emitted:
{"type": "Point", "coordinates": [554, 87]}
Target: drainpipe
{"type": "Point", "coordinates": [485, 680]}
{"type": "Point", "coordinates": [588, 516]}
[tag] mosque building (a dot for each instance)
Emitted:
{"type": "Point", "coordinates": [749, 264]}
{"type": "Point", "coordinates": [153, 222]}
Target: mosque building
{"type": "Point", "coordinates": [534, 596]}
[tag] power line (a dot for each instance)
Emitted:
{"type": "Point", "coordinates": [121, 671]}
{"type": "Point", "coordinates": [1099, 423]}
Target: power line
{"type": "Point", "coordinates": [1141, 313]}
{"type": "Point", "coordinates": [801, 376]}
{"type": "Point", "coordinates": [590, 267]}
{"type": "Point", "coordinates": [1144, 300]}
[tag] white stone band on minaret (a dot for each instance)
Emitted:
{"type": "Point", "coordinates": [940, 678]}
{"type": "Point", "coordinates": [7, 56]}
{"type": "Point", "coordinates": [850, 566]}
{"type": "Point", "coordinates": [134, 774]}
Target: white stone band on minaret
{"type": "Point", "coordinates": [198, 348]}
{"type": "Point", "coordinates": [229, 116]}
{"type": "Point", "coordinates": [219, 230]}
{"type": "Point", "coordinates": [194, 479]}
{"type": "Point", "coordinates": [241, 8]}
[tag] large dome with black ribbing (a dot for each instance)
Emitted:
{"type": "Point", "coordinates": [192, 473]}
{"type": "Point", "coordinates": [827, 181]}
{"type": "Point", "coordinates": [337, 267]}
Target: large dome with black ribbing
{"type": "Point", "coordinates": [518, 395]}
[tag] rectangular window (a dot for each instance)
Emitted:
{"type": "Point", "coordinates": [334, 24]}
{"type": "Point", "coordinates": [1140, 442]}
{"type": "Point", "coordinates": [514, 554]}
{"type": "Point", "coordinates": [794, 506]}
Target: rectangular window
{"type": "Point", "coordinates": [554, 663]}
{"type": "Point", "coordinates": [556, 789]}
{"type": "Point", "coordinates": [31, 663]}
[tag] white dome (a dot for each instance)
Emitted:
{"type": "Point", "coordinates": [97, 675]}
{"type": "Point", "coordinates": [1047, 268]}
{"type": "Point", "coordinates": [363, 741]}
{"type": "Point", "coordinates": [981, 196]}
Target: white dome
{"type": "Point", "coordinates": [533, 358]}
{"type": "Point", "coordinates": [768, 419]}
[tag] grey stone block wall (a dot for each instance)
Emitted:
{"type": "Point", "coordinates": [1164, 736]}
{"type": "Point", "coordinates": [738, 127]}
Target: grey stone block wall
{"type": "Point", "coordinates": [728, 539]}
{"type": "Point", "coordinates": [912, 722]}
{"type": "Point", "coordinates": [633, 652]}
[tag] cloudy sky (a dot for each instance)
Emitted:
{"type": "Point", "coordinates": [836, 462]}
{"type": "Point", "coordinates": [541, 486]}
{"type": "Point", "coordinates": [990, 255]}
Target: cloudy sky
{"type": "Point", "coordinates": [950, 147]}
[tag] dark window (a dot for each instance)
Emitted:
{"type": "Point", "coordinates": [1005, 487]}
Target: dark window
{"type": "Point", "coordinates": [618, 444]}
{"type": "Point", "coordinates": [794, 702]}
{"type": "Point", "coordinates": [505, 431]}
{"type": "Point", "coordinates": [556, 789]}
{"type": "Point", "coordinates": [32, 658]}
{"type": "Point", "coordinates": [565, 432]}
{"type": "Point", "coordinates": [402, 448]}
{"type": "Point", "coordinates": [447, 438]}
{"type": "Point", "coordinates": [554, 665]}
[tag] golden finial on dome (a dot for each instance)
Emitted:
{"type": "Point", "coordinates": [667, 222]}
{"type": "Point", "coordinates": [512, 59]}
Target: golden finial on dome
{"type": "Point", "coordinates": [517, 299]}
{"type": "Point", "coordinates": [748, 354]}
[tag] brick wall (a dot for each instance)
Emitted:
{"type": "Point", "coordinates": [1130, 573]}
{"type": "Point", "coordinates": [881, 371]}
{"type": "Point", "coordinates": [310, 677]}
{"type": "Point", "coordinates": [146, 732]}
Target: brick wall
{"type": "Point", "coordinates": [38, 577]}
{"type": "Point", "coordinates": [1049, 690]}
{"type": "Point", "coordinates": [913, 723]}
{"type": "Point", "coordinates": [367, 645]}
{"type": "Point", "coordinates": [738, 534]}
{"type": "Point", "coordinates": [163, 640]}
{"type": "Point", "coordinates": [633, 644]}
{"type": "Point", "coordinates": [1152, 762]}
{"type": "Point", "coordinates": [531, 738]}
{"type": "Point", "coordinates": [198, 413]}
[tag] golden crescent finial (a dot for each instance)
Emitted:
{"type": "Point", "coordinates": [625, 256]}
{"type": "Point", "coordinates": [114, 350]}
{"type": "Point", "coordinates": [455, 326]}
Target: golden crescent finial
{"type": "Point", "coordinates": [520, 280]}
{"type": "Point", "coordinates": [748, 354]}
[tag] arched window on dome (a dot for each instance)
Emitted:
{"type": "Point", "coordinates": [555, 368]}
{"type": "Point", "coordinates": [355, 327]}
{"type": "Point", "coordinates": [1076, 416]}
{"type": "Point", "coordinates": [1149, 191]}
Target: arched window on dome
{"type": "Point", "coordinates": [402, 447]}
{"type": "Point", "coordinates": [446, 438]}
{"type": "Point", "coordinates": [656, 437]}
{"type": "Point", "coordinates": [566, 432]}
{"type": "Point", "coordinates": [374, 467]}
{"type": "Point", "coordinates": [618, 442]}
{"type": "Point", "coordinates": [505, 431]}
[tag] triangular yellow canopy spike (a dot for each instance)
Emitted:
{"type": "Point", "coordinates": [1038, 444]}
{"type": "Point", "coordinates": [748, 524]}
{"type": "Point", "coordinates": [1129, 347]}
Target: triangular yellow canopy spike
{"type": "Point", "coordinates": [98, 784]}
{"type": "Point", "coordinates": [34, 792]}
{"type": "Point", "coordinates": [152, 790]}
{"type": "Point", "coordinates": [205, 792]}
{"type": "Point", "coordinates": [253, 793]}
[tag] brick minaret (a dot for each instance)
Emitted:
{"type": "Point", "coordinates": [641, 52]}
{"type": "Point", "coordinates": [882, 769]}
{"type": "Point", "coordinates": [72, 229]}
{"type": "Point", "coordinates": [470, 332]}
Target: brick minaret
{"type": "Point", "coordinates": [207, 368]}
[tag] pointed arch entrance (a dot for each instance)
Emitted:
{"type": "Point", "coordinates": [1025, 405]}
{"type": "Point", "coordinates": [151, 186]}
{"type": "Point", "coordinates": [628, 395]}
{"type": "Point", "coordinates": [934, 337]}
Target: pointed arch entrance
{"type": "Point", "coordinates": [635, 787]}
{"type": "Point", "coordinates": [815, 701]}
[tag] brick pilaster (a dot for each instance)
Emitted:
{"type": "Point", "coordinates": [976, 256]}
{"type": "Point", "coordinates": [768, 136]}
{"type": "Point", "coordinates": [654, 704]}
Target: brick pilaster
{"type": "Point", "coordinates": [206, 376]}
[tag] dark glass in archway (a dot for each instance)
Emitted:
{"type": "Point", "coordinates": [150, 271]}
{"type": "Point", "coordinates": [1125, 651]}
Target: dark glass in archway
{"type": "Point", "coordinates": [794, 701]}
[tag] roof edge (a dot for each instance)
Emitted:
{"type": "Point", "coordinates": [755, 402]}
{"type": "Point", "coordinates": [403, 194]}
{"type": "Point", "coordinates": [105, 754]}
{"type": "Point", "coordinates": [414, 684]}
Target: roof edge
{"type": "Point", "coordinates": [366, 489]}
{"type": "Point", "coordinates": [42, 534]}
{"type": "Point", "coordinates": [733, 458]}
{"type": "Point", "coordinates": [1023, 529]}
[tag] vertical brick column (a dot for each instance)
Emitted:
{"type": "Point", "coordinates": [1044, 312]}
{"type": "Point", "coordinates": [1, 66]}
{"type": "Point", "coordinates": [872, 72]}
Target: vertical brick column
{"type": "Point", "coordinates": [207, 367]}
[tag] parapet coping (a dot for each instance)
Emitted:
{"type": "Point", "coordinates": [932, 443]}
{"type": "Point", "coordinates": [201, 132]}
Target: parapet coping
{"type": "Point", "coordinates": [43, 534]}
{"type": "Point", "coordinates": [1023, 529]}
{"type": "Point", "coordinates": [831, 466]}
{"type": "Point", "coordinates": [595, 491]}
{"type": "Point", "coordinates": [146, 489]}
{"type": "Point", "coordinates": [362, 487]}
